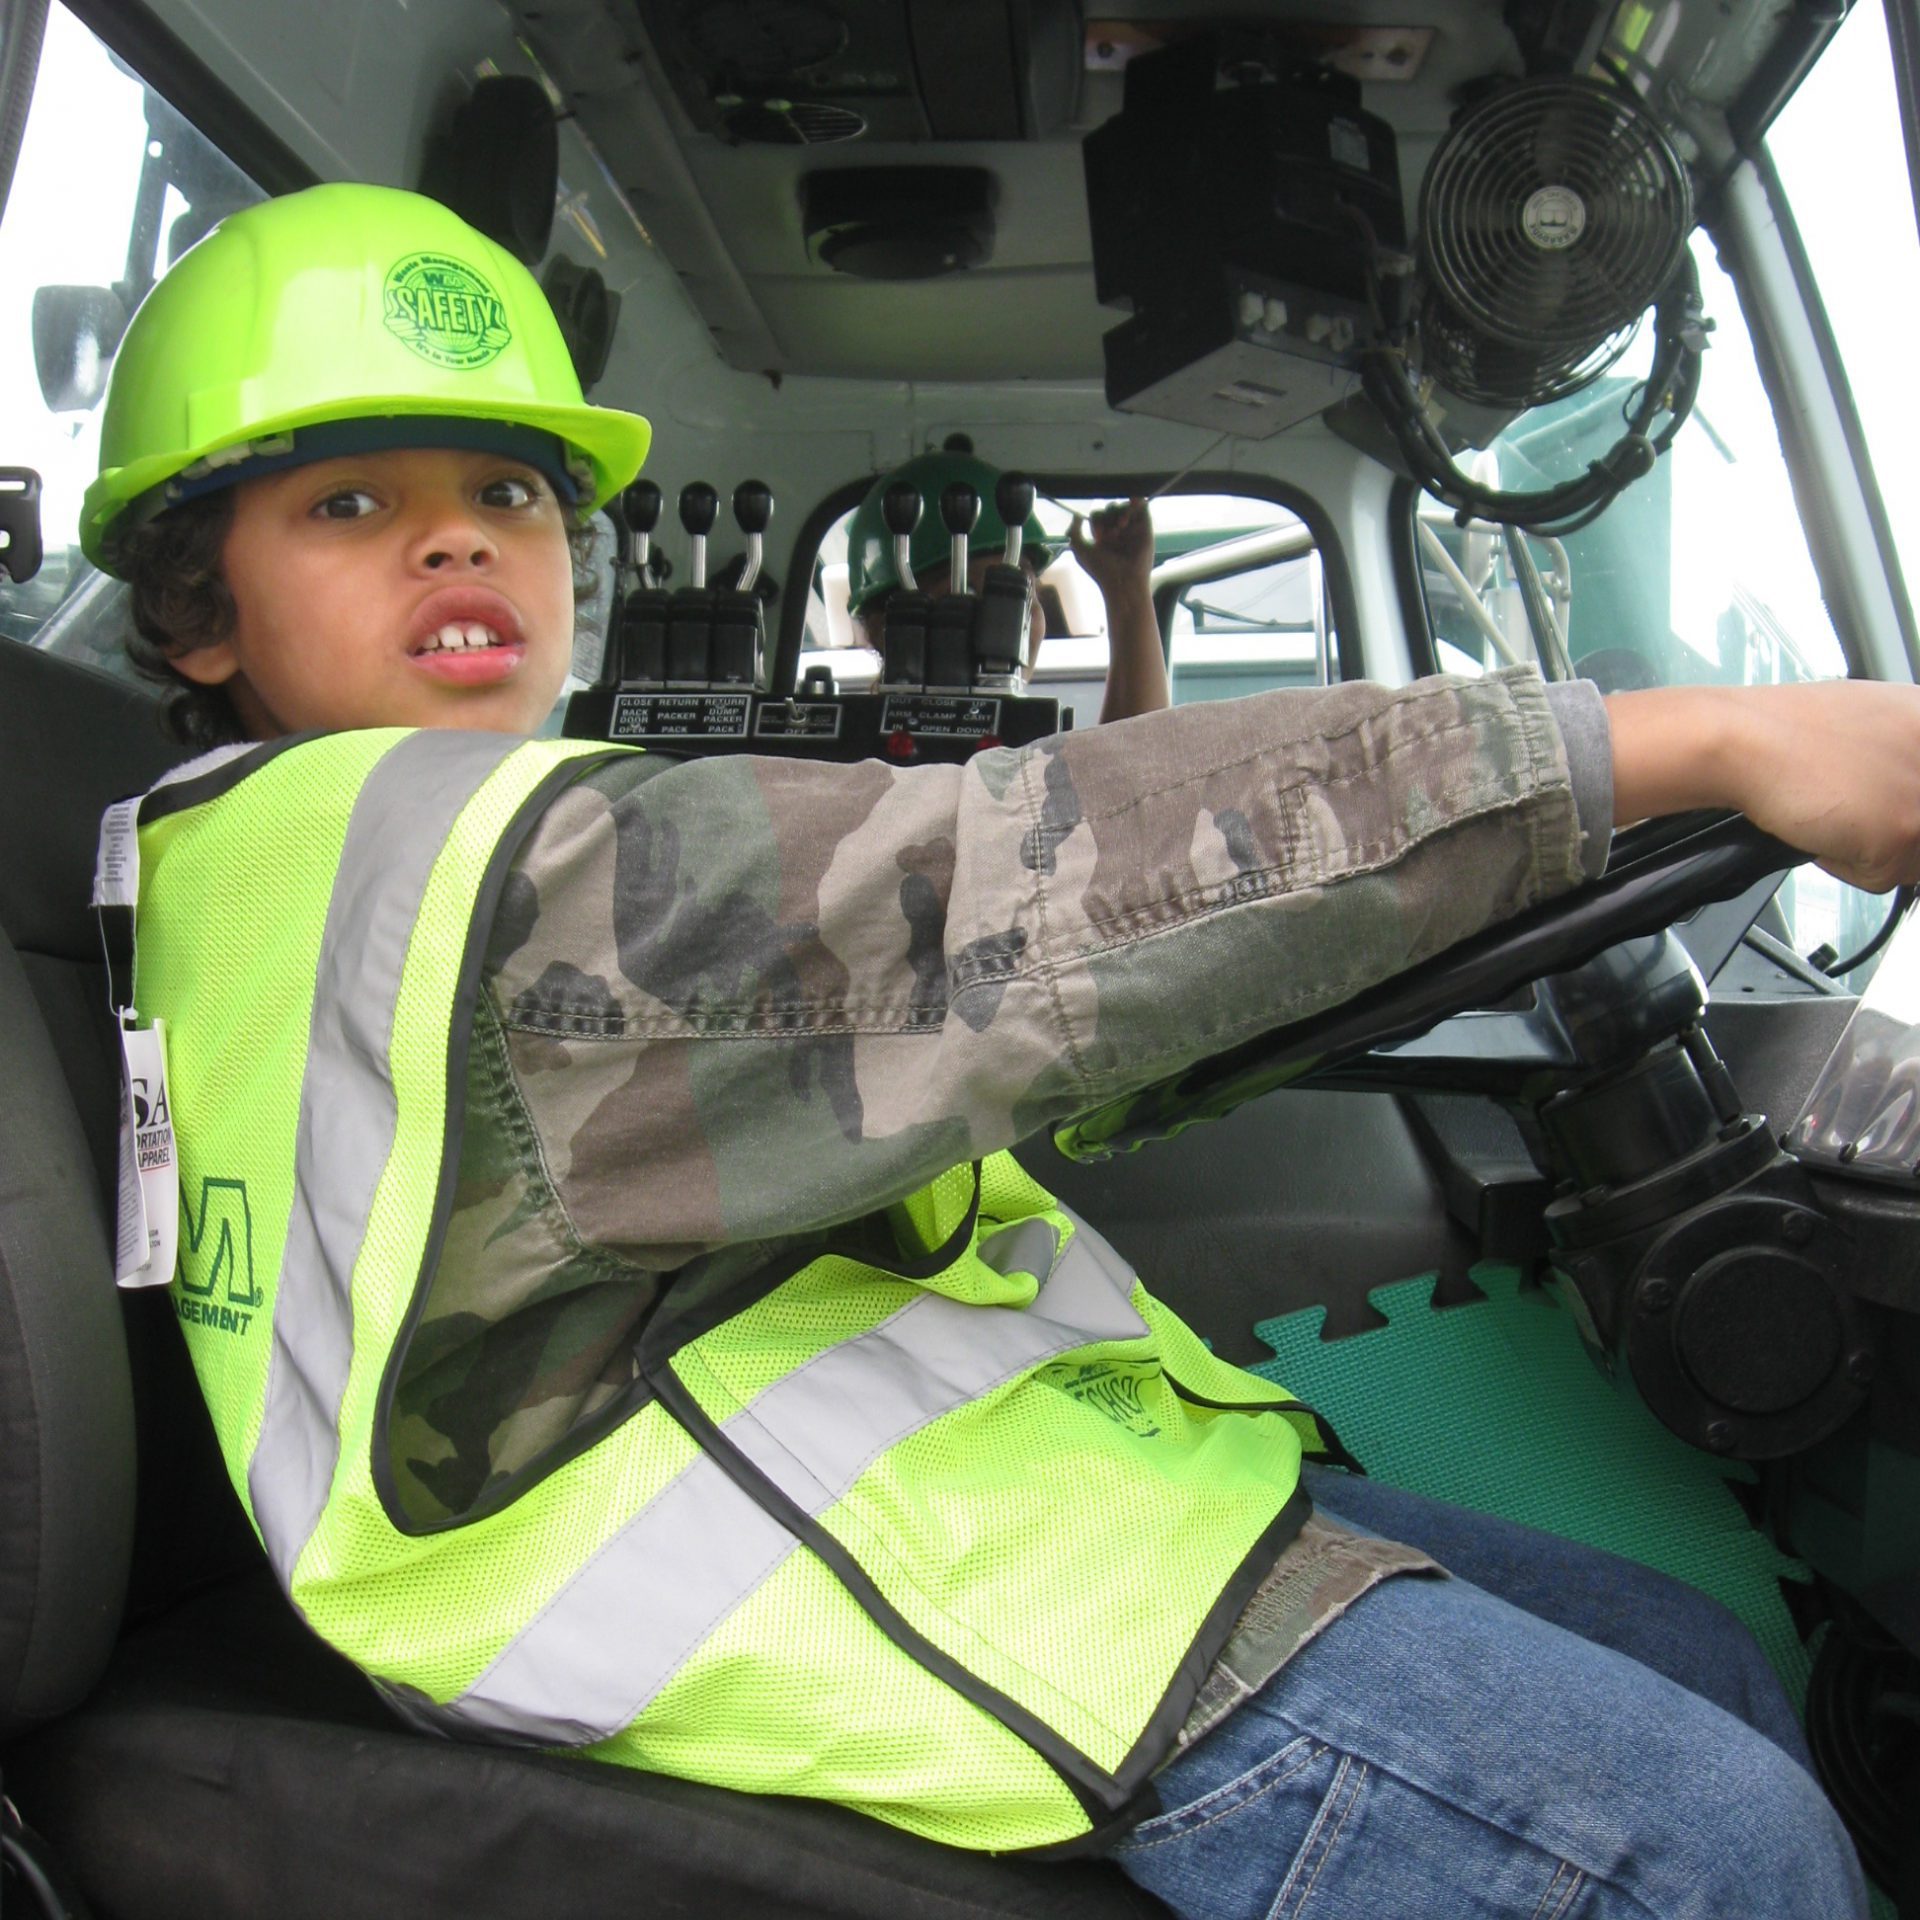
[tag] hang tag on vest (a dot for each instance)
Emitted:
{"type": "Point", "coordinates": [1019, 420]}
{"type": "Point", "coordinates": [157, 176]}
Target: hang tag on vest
{"type": "Point", "coordinates": [116, 870]}
{"type": "Point", "coordinates": [149, 1211]}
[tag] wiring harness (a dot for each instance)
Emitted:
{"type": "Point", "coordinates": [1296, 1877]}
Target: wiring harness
{"type": "Point", "coordinates": [1654, 413]}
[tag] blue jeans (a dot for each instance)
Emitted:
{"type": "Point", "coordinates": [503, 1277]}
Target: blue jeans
{"type": "Point", "coordinates": [1440, 1753]}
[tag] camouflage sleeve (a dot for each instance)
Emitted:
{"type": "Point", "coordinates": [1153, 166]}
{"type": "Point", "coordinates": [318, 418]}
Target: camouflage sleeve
{"type": "Point", "coordinates": [750, 997]}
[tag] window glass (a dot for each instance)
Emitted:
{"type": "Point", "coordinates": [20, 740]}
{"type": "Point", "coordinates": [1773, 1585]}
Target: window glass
{"type": "Point", "coordinates": [1265, 624]}
{"type": "Point", "coordinates": [1240, 573]}
{"type": "Point", "coordinates": [111, 185]}
{"type": "Point", "coordinates": [1697, 574]}
{"type": "Point", "coordinates": [1841, 160]}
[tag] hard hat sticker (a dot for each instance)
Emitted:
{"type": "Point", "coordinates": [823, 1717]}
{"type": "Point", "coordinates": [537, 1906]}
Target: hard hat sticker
{"type": "Point", "coordinates": [445, 311]}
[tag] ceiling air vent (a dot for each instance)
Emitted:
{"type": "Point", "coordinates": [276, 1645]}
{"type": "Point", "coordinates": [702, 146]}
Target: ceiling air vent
{"type": "Point", "coordinates": [789, 123]}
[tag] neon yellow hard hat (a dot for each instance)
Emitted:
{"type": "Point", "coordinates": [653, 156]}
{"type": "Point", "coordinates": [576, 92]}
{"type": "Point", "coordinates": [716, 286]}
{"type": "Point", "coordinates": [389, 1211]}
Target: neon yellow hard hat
{"type": "Point", "coordinates": [341, 303]}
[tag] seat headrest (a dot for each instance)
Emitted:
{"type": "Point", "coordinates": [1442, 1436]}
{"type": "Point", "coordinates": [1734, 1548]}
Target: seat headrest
{"type": "Point", "coordinates": [72, 741]}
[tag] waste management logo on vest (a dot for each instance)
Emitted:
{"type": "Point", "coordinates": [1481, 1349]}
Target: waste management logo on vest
{"type": "Point", "coordinates": [217, 1287]}
{"type": "Point", "coordinates": [445, 311]}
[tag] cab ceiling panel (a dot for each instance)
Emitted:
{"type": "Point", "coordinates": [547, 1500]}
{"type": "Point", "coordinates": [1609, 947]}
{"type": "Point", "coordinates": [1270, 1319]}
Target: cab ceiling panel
{"type": "Point", "coordinates": [352, 87]}
{"type": "Point", "coordinates": [808, 71]}
{"type": "Point", "coordinates": [719, 118]}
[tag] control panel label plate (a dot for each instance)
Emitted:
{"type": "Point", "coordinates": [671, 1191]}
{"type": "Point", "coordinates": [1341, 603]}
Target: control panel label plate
{"type": "Point", "coordinates": [798, 720]}
{"type": "Point", "coordinates": [680, 716]}
{"type": "Point", "coordinates": [954, 716]}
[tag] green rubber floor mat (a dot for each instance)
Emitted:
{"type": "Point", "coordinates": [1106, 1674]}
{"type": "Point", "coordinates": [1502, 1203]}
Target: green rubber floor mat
{"type": "Point", "coordinates": [1494, 1404]}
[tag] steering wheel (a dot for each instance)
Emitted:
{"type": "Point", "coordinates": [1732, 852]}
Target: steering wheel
{"type": "Point", "coordinates": [1657, 874]}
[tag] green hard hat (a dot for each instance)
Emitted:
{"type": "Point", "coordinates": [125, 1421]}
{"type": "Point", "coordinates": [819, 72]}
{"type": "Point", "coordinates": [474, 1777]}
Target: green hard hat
{"type": "Point", "coordinates": [870, 568]}
{"type": "Point", "coordinates": [340, 303]}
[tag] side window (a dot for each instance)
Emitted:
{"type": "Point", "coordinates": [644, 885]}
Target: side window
{"type": "Point", "coordinates": [111, 185]}
{"type": "Point", "coordinates": [1268, 623]}
{"type": "Point", "coordinates": [1237, 581]}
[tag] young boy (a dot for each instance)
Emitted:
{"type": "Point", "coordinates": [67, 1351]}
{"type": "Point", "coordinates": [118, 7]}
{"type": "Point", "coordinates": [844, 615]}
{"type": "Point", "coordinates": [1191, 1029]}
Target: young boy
{"type": "Point", "coordinates": [621, 1322]}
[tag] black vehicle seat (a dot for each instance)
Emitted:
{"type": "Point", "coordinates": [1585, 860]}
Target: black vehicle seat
{"type": "Point", "coordinates": [166, 1722]}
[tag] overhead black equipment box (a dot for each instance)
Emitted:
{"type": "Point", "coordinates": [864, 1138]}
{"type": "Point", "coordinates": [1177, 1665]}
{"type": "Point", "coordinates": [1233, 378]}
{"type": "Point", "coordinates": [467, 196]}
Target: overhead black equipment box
{"type": "Point", "coordinates": [1238, 204]}
{"type": "Point", "coordinates": [816, 72]}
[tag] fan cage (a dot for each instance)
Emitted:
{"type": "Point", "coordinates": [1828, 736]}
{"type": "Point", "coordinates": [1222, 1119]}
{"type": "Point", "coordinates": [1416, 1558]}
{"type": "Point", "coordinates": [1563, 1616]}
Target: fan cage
{"type": "Point", "coordinates": [1474, 366]}
{"type": "Point", "coordinates": [1554, 304]}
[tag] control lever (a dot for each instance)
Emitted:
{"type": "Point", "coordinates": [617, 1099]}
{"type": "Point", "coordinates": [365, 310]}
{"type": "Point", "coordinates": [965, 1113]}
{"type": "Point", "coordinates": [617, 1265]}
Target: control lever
{"type": "Point", "coordinates": [739, 634]}
{"type": "Point", "coordinates": [638, 653]}
{"type": "Point", "coordinates": [1013, 501]}
{"type": "Point", "coordinates": [639, 509]}
{"type": "Point", "coordinates": [950, 618]}
{"type": "Point", "coordinates": [752, 509]}
{"type": "Point", "coordinates": [903, 649]}
{"type": "Point", "coordinates": [1000, 624]}
{"type": "Point", "coordinates": [699, 508]}
{"type": "Point", "coordinates": [690, 618]}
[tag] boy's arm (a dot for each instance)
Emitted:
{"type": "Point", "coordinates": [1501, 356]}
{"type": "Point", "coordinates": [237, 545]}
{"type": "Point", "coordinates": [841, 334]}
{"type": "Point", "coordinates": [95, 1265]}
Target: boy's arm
{"type": "Point", "coordinates": [745, 997]}
{"type": "Point", "coordinates": [1832, 767]}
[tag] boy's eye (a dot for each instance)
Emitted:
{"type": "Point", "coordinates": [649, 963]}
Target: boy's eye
{"type": "Point", "coordinates": [350, 503]}
{"type": "Point", "coordinates": [510, 490]}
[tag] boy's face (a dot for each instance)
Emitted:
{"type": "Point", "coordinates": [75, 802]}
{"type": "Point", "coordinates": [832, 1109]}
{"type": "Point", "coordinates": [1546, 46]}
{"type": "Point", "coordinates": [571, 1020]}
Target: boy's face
{"type": "Point", "coordinates": [420, 588]}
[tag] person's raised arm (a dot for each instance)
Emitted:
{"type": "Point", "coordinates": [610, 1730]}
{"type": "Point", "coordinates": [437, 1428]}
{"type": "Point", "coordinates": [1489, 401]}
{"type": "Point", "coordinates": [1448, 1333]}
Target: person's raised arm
{"type": "Point", "coordinates": [1116, 550]}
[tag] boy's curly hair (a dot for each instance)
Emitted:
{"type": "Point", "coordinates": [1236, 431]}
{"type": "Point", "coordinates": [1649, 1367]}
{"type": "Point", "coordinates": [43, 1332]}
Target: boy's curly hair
{"type": "Point", "coordinates": [181, 602]}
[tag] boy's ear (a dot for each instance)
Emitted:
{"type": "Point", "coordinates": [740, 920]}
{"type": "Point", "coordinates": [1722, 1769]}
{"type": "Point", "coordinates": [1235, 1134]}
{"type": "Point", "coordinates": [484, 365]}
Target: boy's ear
{"type": "Point", "coordinates": [212, 665]}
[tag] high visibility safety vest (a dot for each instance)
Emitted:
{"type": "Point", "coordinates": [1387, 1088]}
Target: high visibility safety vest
{"type": "Point", "coordinates": [953, 1542]}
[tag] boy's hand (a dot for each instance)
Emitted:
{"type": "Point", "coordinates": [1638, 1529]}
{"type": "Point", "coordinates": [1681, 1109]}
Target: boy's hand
{"type": "Point", "coordinates": [1116, 549]}
{"type": "Point", "coordinates": [1832, 768]}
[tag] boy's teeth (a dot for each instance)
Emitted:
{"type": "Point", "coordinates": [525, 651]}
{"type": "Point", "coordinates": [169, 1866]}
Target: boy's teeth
{"type": "Point", "coordinates": [459, 635]}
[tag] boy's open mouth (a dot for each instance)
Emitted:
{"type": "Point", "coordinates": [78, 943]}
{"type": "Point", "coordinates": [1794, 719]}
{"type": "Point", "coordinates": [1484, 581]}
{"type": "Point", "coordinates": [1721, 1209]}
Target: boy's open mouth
{"type": "Point", "coordinates": [460, 636]}
{"type": "Point", "coordinates": [466, 636]}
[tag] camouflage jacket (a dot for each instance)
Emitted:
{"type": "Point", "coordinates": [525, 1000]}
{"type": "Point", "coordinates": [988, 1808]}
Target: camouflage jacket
{"type": "Point", "coordinates": [730, 1003]}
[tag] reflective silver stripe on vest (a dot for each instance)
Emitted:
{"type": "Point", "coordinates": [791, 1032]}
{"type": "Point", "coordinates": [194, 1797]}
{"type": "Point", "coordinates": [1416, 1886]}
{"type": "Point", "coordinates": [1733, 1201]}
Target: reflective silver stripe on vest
{"type": "Point", "coordinates": [405, 809]}
{"type": "Point", "coordinates": [608, 1642]}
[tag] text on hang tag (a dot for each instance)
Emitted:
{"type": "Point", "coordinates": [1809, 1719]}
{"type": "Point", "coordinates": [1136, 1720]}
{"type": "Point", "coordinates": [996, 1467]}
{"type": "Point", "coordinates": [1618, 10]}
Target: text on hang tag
{"type": "Point", "coordinates": [149, 1201]}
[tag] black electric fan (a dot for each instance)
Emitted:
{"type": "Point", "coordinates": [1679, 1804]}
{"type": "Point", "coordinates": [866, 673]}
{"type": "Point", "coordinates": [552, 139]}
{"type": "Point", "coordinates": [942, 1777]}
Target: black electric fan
{"type": "Point", "coordinates": [1554, 212]}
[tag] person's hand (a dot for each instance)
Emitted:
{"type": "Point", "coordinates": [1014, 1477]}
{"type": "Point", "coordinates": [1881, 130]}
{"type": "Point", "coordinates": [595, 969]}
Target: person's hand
{"type": "Point", "coordinates": [1832, 767]}
{"type": "Point", "coordinates": [1116, 549]}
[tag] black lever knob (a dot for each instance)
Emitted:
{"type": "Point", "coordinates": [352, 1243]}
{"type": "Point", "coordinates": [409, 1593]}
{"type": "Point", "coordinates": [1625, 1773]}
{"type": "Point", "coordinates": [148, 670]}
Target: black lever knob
{"type": "Point", "coordinates": [900, 508]}
{"type": "Point", "coordinates": [752, 506]}
{"type": "Point", "coordinates": [959, 509]}
{"type": "Point", "coordinates": [699, 508]}
{"type": "Point", "coordinates": [1013, 499]}
{"type": "Point", "coordinates": [640, 506]}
